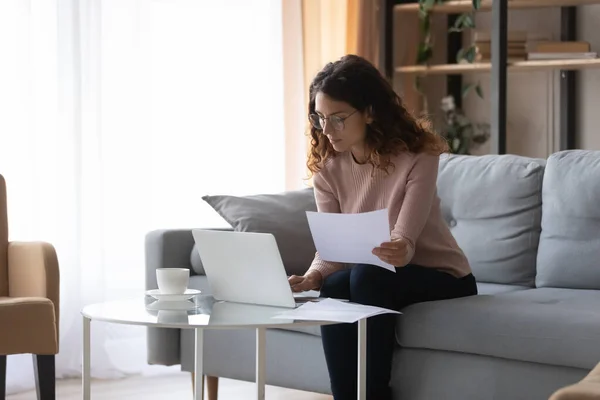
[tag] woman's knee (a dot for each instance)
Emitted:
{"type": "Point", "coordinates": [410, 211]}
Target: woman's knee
{"type": "Point", "coordinates": [370, 273]}
{"type": "Point", "coordinates": [337, 285]}
{"type": "Point", "coordinates": [371, 284]}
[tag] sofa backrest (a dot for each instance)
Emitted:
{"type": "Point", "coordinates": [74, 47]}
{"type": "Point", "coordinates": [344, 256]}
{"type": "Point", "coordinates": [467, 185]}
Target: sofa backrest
{"type": "Point", "coordinates": [493, 206]}
{"type": "Point", "coordinates": [3, 240]}
{"type": "Point", "coordinates": [569, 252]}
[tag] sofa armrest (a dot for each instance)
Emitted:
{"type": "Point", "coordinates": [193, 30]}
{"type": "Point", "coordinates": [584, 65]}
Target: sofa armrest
{"type": "Point", "coordinates": [33, 272]}
{"type": "Point", "coordinates": [587, 389]}
{"type": "Point", "coordinates": [165, 248]}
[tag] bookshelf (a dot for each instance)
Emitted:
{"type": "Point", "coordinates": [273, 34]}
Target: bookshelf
{"type": "Point", "coordinates": [500, 66]}
{"type": "Point", "coordinates": [517, 66]}
{"type": "Point", "coordinates": [460, 6]}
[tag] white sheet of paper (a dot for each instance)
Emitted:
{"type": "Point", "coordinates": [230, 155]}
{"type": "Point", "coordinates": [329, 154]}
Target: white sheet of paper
{"type": "Point", "coordinates": [350, 238]}
{"type": "Point", "coordinates": [333, 311]}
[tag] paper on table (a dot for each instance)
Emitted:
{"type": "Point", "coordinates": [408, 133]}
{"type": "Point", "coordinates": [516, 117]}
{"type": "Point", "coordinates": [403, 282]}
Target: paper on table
{"type": "Point", "coordinates": [350, 238]}
{"type": "Point", "coordinates": [333, 311]}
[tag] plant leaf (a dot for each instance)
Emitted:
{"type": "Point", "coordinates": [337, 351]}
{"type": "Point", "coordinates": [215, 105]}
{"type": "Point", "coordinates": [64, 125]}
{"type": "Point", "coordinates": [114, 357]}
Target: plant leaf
{"type": "Point", "coordinates": [467, 88]}
{"type": "Point", "coordinates": [468, 21]}
{"type": "Point", "coordinates": [425, 25]}
{"type": "Point", "coordinates": [479, 90]}
{"type": "Point", "coordinates": [424, 53]}
{"type": "Point", "coordinates": [418, 84]}
{"type": "Point", "coordinates": [456, 27]}
{"type": "Point", "coordinates": [423, 13]}
{"type": "Point", "coordinates": [476, 4]}
{"type": "Point", "coordinates": [455, 145]}
{"type": "Point", "coordinates": [460, 55]}
{"type": "Point", "coordinates": [470, 54]}
{"type": "Point", "coordinates": [458, 23]}
{"type": "Point", "coordinates": [428, 4]}
{"type": "Point", "coordinates": [463, 21]}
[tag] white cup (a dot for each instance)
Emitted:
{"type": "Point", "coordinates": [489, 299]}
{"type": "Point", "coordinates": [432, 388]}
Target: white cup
{"type": "Point", "coordinates": [172, 280]}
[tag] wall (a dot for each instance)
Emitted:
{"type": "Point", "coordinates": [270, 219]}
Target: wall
{"type": "Point", "coordinates": [532, 97]}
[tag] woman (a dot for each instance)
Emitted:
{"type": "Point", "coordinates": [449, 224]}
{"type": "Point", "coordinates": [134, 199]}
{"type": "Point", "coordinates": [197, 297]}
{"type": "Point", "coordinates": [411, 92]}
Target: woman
{"type": "Point", "coordinates": [369, 153]}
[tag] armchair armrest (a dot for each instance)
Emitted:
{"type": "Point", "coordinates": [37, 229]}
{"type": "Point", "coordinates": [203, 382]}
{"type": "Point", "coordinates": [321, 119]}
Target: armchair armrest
{"type": "Point", "coordinates": [33, 272]}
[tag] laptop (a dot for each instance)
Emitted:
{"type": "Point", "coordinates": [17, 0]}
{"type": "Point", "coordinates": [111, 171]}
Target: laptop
{"type": "Point", "coordinates": [246, 267]}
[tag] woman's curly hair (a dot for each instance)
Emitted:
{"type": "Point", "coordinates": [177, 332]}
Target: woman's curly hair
{"type": "Point", "coordinates": [354, 80]}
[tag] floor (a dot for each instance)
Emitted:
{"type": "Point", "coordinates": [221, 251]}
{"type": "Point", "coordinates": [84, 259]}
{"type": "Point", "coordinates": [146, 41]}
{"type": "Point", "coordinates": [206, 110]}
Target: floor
{"type": "Point", "coordinates": [177, 386]}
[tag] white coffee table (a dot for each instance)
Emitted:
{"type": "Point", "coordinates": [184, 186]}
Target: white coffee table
{"type": "Point", "coordinates": [200, 313]}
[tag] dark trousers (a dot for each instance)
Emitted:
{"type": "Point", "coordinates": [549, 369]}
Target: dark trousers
{"type": "Point", "coordinates": [375, 286]}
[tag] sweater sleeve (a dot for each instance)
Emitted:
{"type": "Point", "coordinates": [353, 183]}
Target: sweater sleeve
{"type": "Point", "coordinates": [328, 203]}
{"type": "Point", "coordinates": [421, 187]}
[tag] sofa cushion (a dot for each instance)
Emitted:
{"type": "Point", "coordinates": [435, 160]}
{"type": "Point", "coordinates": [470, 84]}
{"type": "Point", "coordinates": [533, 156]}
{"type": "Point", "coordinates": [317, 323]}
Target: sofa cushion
{"type": "Point", "coordinates": [493, 207]}
{"type": "Point", "coordinates": [282, 214]}
{"type": "Point", "coordinates": [548, 326]}
{"type": "Point", "coordinates": [496, 288]}
{"type": "Point", "coordinates": [569, 252]}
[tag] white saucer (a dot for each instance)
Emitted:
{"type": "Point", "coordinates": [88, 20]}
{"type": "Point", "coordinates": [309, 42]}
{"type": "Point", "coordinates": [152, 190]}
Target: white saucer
{"type": "Point", "coordinates": [172, 305]}
{"type": "Point", "coordinates": [188, 294]}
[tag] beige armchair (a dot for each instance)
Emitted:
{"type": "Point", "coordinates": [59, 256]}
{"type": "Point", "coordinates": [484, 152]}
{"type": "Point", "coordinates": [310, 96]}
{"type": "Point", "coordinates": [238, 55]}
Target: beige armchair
{"type": "Point", "coordinates": [587, 389]}
{"type": "Point", "coordinates": [29, 305]}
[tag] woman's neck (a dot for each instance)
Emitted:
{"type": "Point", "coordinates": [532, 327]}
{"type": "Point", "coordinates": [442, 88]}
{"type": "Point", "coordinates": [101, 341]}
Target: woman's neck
{"type": "Point", "coordinates": [359, 154]}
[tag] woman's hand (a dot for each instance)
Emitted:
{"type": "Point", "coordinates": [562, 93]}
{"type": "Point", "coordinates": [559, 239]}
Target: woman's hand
{"type": "Point", "coordinates": [312, 280]}
{"type": "Point", "coordinates": [394, 252]}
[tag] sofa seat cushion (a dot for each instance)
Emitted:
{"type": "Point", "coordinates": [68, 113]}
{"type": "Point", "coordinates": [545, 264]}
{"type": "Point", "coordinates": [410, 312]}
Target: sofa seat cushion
{"type": "Point", "coordinates": [547, 325]}
{"type": "Point", "coordinates": [496, 288]}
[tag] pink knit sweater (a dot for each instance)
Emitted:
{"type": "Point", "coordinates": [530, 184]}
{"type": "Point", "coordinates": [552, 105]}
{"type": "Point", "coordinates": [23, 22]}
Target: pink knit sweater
{"type": "Point", "coordinates": [409, 193]}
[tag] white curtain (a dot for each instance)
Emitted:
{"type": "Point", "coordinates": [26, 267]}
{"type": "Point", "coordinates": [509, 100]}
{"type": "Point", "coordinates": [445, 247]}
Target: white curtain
{"type": "Point", "coordinates": [116, 116]}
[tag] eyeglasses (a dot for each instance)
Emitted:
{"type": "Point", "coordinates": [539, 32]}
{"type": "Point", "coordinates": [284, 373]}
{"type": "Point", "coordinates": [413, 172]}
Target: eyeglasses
{"type": "Point", "coordinates": [337, 122]}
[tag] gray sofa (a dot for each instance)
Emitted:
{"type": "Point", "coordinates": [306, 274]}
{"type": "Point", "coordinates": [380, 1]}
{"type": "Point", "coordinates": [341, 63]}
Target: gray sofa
{"type": "Point", "coordinates": [531, 231]}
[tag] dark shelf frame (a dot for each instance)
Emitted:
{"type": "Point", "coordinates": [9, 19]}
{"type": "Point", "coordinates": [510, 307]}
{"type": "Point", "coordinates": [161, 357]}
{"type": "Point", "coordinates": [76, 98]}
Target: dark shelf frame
{"type": "Point", "coordinates": [568, 84]}
{"type": "Point", "coordinates": [499, 76]}
{"type": "Point", "coordinates": [454, 83]}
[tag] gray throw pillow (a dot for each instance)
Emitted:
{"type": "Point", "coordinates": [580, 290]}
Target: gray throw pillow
{"type": "Point", "coordinates": [283, 215]}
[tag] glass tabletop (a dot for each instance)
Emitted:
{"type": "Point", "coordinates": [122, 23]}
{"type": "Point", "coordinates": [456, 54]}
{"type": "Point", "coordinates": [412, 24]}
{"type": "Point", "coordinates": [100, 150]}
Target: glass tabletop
{"type": "Point", "coordinates": [198, 311]}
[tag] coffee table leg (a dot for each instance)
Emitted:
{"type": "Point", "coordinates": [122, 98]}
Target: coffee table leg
{"type": "Point", "coordinates": [362, 359]}
{"type": "Point", "coordinates": [85, 376]}
{"type": "Point", "coordinates": [261, 362]}
{"type": "Point", "coordinates": [199, 365]}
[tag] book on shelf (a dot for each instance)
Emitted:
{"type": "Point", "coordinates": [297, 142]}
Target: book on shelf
{"type": "Point", "coordinates": [484, 53]}
{"type": "Point", "coordinates": [562, 56]}
{"type": "Point", "coordinates": [509, 59]}
{"type": "Point", "coordinates": [561, 47]}
{"type": "Point", "coordinates": [511, 36]}
{"type": "Point", "coordinates": [516, 50]}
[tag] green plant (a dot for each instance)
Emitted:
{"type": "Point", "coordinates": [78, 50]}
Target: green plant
{"type": "Point", "coordinates": [460, 132]}
{"type": "Point", "coordinates": [425, 48]}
